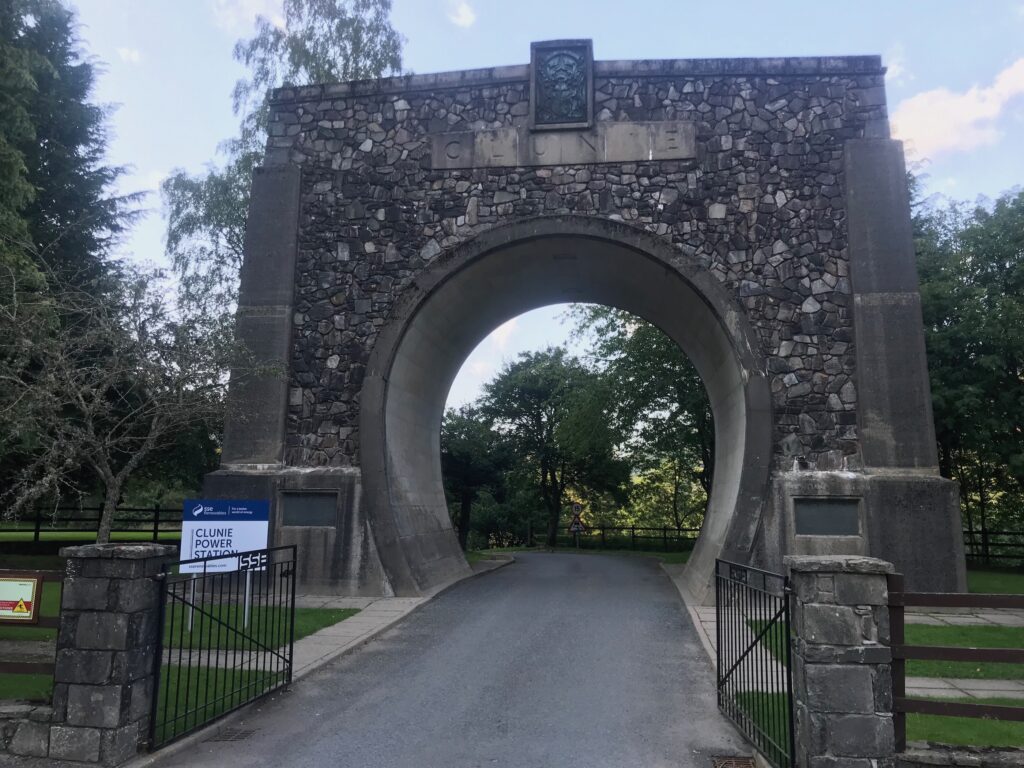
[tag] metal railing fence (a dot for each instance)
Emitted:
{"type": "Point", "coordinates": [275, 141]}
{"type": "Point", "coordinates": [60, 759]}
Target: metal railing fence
{"type": "Point", "coordinates": [754, 658]}
{"type": "Point", "coordinates": [226, 637]}
{"type": "Point", "coordinates": [643, 538]}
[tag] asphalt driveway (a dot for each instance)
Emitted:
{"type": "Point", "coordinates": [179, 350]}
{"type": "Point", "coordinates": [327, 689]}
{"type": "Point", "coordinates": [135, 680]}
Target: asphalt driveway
{"type": "Point", "coordinates": [556, 660]}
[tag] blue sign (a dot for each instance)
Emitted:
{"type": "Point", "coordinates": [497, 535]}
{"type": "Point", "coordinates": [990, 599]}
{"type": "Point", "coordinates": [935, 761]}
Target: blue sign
{"type": "Point", "coordinates": [227, 509]}
{"type": "Point", "coordinates": [218, 528]}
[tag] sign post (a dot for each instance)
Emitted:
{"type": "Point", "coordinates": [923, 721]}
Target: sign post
{"type": "Point", "coordinates": [576, 527]}
{"type": "Point", "coordinates": [218, 527]}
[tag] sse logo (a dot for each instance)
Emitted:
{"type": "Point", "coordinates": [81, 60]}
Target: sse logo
{"type": "Point", "coordinates": [252, 561]}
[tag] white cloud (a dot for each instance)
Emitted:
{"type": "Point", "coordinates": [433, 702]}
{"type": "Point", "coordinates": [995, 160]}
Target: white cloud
{"type": "Point", "coordinates": [130, 55]}
{"type": "Point", "coordinates": [461, 13]}
{"type": "Point", "coordinates": [942, 121]}
{"type": "Point", "coordinates": [500, 336]}
{"type": "Point", "coordinates": [238, 16]}
{"type": "Point", "coordinates": [896, 65]}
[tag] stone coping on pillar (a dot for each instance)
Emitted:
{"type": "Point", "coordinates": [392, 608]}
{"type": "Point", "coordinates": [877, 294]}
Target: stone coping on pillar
{"type": "Point", "coordinates": [796, 66]}
{"type": "Point", "coordinates": [119, 551]}
{"type": "Point", "coordinates": [837, 564]}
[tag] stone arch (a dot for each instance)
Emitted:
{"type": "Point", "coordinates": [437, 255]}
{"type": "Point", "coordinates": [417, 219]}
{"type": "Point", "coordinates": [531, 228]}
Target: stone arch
{"type": "Point", "coordinates": [467, 292]}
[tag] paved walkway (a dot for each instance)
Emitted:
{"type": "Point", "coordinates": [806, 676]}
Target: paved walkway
{"type": "Point", "coordinates": [956, 687]}
{"type": "Point", "coordinates": [375, 615]}
{"type": "Point", "coordinates": [557, 660]}
{"type": "Point", "coordinates": [958, 617]}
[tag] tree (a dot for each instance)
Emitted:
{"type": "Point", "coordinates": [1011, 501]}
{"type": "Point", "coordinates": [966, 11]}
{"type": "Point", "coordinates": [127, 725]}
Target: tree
{"type": "Point", "coordinates": [101, 381]}
{"type": "Point", "coordinates": [667, 494]}
{"type": "Point", "coordinates": [58, 214]}
{"type": "Point", "coordinates": [552, 409]}
{"type": "Point", "coordinates": [473, 459]}
{"type": "Point", "coordinates": [659, 401]}
{"type": "Point", "coordinates": [320, 41]}
{"type": "Point", "coordinates": [17, 84]}
{"type": "Point", "coordinates": [971, 269]}
{"type": "Point", "coordinates": [71, 216]}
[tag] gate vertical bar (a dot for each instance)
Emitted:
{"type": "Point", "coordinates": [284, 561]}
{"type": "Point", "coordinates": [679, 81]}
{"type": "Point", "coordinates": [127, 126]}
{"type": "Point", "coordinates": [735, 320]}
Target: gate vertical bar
{"type": "Point", "coordinates": [899, 666]}
{"type": "Point", "coordinates": [787, 595]}
{"type": "Point", "coordinates": [291, 638]}
{"type": "Point", "coordinates": [154, 709]}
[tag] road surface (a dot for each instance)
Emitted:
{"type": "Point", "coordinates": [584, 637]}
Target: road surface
{"type": "Point", "coordinates": [558, 660]}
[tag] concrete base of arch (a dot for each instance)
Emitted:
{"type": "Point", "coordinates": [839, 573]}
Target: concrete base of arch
{"type": "Point", "coordinates": [467, 293]}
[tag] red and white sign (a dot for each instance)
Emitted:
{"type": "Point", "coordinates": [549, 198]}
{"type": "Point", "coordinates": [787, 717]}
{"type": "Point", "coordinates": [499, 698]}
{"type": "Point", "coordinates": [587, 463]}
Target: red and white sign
{"type": "Point", "coordinates": [19, 599]}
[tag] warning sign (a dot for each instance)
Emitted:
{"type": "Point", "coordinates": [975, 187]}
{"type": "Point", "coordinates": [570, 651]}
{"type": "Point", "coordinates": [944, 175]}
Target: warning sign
{"type": "Point", "coordinates": [577, 526]}
{"type": "Point", "coordinates": [19, 598]}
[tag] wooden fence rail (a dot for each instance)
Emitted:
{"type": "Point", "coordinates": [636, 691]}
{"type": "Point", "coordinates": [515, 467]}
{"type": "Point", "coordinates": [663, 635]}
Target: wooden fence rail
{"type": "Point", "coordinates": [901, 652]}
{"type": "Point", "coordinates": [151, 520]}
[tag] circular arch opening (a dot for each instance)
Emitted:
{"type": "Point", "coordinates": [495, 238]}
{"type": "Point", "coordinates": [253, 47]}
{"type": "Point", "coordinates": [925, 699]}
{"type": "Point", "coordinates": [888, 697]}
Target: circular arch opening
{"type": "Point", "coordinates": [473, 289]}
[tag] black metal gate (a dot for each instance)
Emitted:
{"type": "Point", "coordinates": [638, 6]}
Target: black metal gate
{"type": "Point", "coordinates": [227, 632]}
{"type": "Point", "coordinates": [754, 657]}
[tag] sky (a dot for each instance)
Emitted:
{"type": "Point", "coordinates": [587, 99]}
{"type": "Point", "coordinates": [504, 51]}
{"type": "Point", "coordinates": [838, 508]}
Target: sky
{"type": "Point", "coordinates": [955, 84]}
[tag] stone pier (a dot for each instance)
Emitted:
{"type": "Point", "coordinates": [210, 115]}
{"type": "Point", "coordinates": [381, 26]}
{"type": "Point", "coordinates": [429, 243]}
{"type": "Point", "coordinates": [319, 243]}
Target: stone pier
{"type": "Point", "coordinates": [106, 648]}
{"type": "Point", "coordinates": [842, 680]}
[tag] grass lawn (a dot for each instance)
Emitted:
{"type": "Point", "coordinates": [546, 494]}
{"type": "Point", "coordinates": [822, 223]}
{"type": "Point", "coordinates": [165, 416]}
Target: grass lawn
{"type": "Point", "coordinates": [769, 715]}
{"type": "Point", "coordinates": [970, 637]}
{"type": "Point", "coordinates": [189, 697]}
{"type": "Point", "coordinates": [967, 730]}
{"type": "Point", "coordinates": [996, 582]}
{"type": "Point", "coordinates": [774, 639]}
{"type": "Point", "coordinates": [213, 627]}
{"type": "Point", "coordinates": [25, 687]}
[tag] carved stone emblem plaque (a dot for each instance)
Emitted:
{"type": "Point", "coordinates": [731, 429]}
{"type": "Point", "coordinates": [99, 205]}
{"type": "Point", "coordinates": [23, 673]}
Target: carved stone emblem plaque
{"type": "Point", "coordinates": [561, 84]}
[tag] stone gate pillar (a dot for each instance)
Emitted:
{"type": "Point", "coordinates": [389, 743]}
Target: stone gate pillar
{"type": "Point", "coordinates": [106, 648]}
{"type": "Point", "coordinates": [842, 681]}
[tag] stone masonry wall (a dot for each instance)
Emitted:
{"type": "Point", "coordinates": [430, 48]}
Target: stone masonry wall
{"type": "Point", "coordinates": [761, 207]}
{"type": "Point", "coordinates": [25, 729]}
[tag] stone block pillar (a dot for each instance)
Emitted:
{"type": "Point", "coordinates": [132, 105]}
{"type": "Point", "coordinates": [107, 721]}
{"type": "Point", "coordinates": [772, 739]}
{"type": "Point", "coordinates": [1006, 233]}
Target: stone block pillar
{"type": "Point", "coordinates": [842, 682]}
{"type": "Point", "coordinates": [106, 647]}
